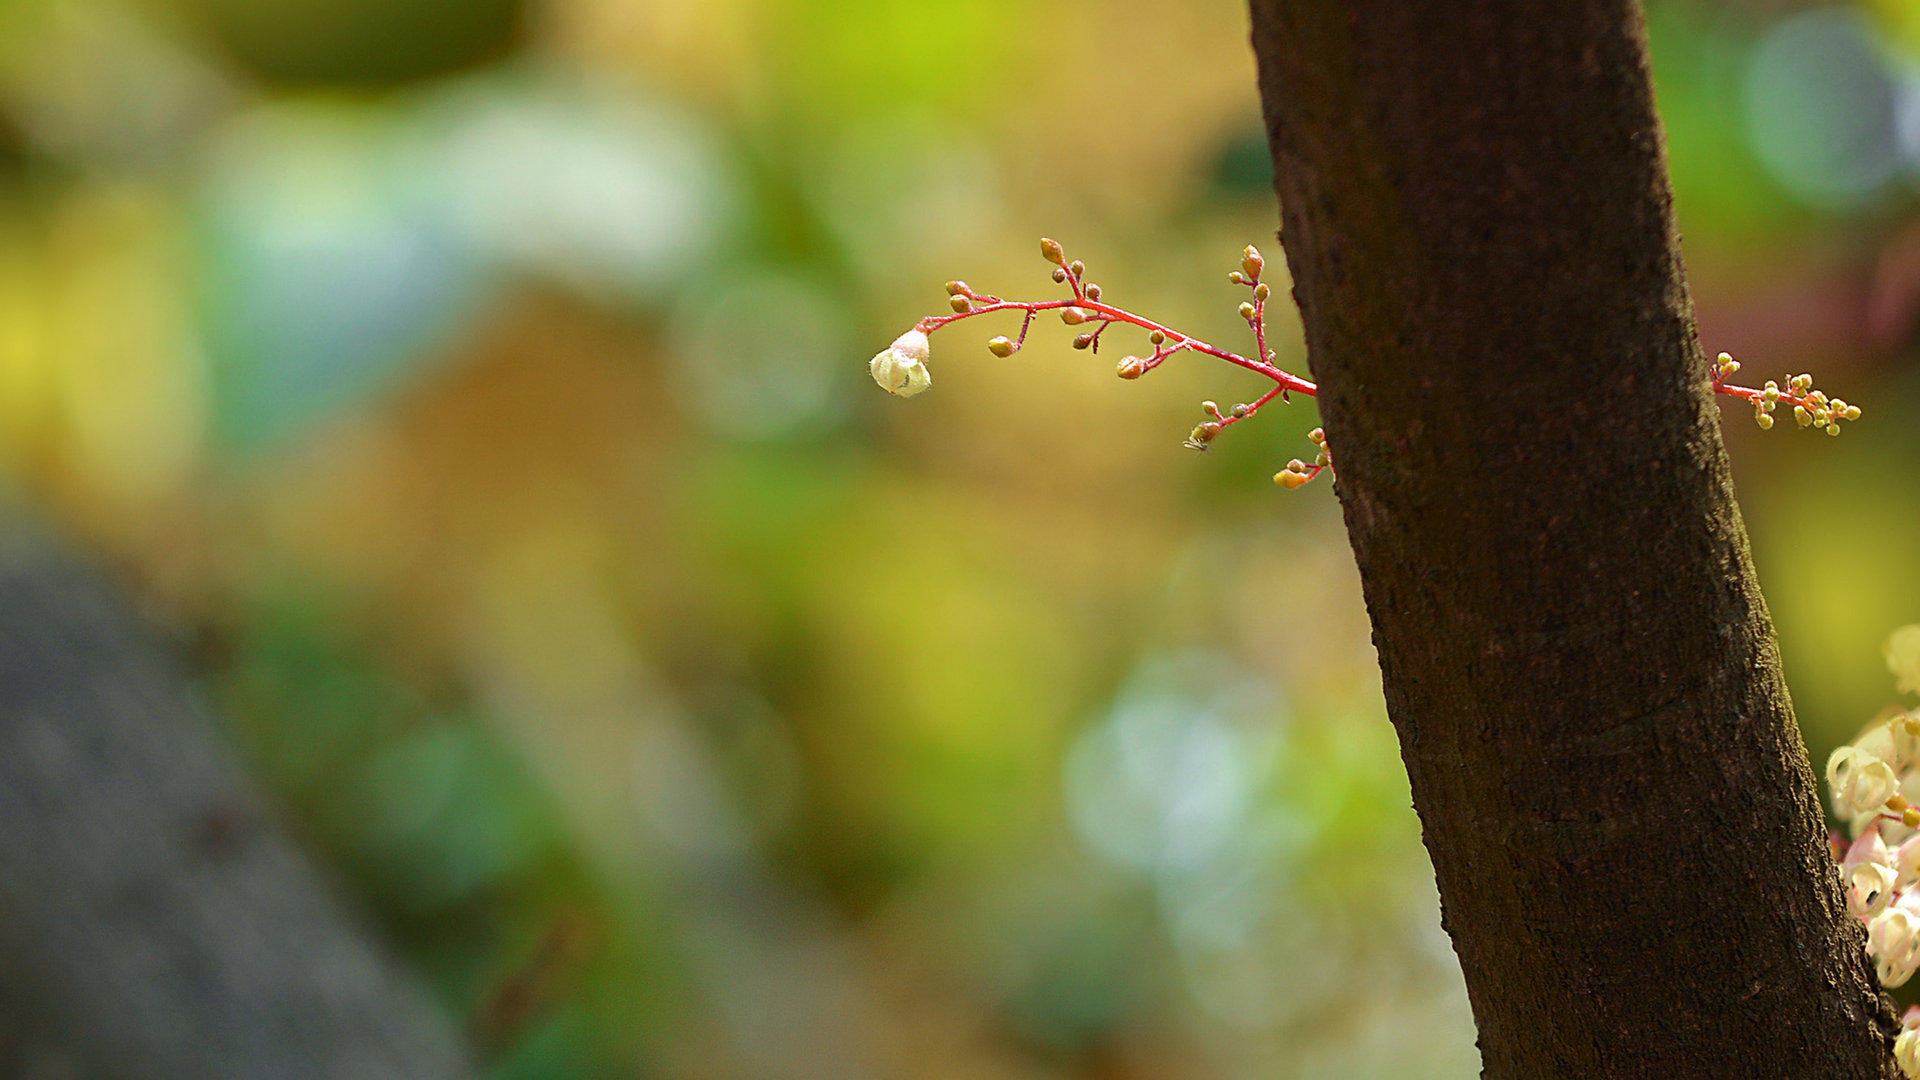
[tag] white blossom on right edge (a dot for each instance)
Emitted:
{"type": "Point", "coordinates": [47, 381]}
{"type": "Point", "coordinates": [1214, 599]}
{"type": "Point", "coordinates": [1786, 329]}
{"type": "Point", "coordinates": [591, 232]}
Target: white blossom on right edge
{"type": "Point", "coordinates": [1874, 784]}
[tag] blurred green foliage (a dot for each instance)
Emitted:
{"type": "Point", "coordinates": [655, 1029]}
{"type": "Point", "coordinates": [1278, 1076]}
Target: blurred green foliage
{"type": "Point", "coordinates": [487, 379]}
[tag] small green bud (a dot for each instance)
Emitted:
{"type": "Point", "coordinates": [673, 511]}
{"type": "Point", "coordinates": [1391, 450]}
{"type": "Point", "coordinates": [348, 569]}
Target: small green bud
{"type": "Point", "coordinates": [1000, 345]}
{"type": "Point", "coordinates": [960, 304]}
{"type": "Point", "coordinates": [1240, 410]}
{"type": "Point", "coordinates": [1246, 311]}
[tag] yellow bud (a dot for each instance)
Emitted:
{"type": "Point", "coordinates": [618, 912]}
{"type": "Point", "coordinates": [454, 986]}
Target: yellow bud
{"type": "Point", "coordinates": [1130, 367]}
{"type": "Point", "coordinates": [1801, 416]}
{"type": "Point", "coordinates": [1261, 292]}
{"type": "Point", "coordinates": [1251, 263]}
{"type": "Point", "coordinates": [1833, 429]}
{"type": "Point", "coordinates": [1289, 480]}
{"type": "Point", "coordinates": [1072, 316]}
{"type": "Point", "coordinates": [1051, 251]}
{"type": "Point", "coordinates": [960, 303]}
{"type": "Point", "coordinates": [1764, 420]}
{"type": "Point", "coordinates": [1000, 345]}
{"type": "Point", "coordinates": [1246, 311]}
{"type": "Point", "coordinates": [1853, 412]}
{"type": "Point", "coordinates": [1896, 803]}
{"type": "Point", "coordinates": [1910, 818]}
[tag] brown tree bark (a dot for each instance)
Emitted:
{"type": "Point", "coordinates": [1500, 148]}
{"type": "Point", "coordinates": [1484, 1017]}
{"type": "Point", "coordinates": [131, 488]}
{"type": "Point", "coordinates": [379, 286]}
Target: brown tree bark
{"type": "Point", "coordinates": [1575, 651]}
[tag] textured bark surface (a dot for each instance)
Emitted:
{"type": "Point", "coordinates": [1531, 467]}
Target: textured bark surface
{"type": "Point", "coordinates": [1575, 651]}
{"type": "Point", "coordinates": [153, 923]}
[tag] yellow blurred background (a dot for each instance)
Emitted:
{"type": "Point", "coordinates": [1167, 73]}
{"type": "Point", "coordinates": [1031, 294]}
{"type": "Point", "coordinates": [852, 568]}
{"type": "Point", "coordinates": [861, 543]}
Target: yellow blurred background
{"type": "Point", "coordinates": [480, 386]}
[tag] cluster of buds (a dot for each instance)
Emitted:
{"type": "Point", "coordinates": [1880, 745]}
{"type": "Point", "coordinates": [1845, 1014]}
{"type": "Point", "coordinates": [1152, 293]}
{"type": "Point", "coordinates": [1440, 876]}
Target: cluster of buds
{"type": "Point", "coordinates": [1874, 782]}
{"type": "Point", "coordinates": [1811, 408]}
{"type": "Point", "coordinates": [1299, 472]}
{"type": "Point", "coordinates": [901, 368]}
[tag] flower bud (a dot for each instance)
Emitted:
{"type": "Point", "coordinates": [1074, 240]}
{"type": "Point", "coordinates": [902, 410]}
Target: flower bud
{"type": "Point", "coordinates": [1081, 341]}
{"type": "Point", "coordinates": [1093, 291]}
{"type": "Point", "coordinates": [1051, 251]}
{"type": "Point", "coordinates": [1289, 479]}
{"type": "Point", "coordinates": [1130, 367]}
{"type": "Point", "coordinates": [1906, 1051]}
{"type": "Point", "coordinates": [1251, 263]}
{"type": "Point", "coordinates": [1072, 316]}
{"type": "Point", "coordinates": [1869, 887]}
{"type": "Point", "coordinates": [1860, 782]}
{"type": "Point", "coordinates": [1241, 410]}
{"type": "Point", "coordinates": [955, 288]}
{"type": "Point", "coordinates": [960, 304]}
{"type": "Point", "coordinates": [1059, 275]}
{"type": "Point", "coordinates": [1000, 345]}
{"type": "Point", "coordinates": [1246, 310]}
{"type": "Point", "coordinates": [901, 368]}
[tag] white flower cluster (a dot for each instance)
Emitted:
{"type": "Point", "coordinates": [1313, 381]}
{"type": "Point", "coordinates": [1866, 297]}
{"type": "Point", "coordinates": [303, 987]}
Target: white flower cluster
{"type": "Point", "coordinates": [1874, 783]}
{"type": "Point", "coordinates": [901, 368]}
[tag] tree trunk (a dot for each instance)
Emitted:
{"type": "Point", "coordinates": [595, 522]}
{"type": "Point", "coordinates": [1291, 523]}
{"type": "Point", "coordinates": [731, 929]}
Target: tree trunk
{"type": "Point", "coordinates": [154, 925]}
{"type": "Point", "coordinates": [1630, 853]}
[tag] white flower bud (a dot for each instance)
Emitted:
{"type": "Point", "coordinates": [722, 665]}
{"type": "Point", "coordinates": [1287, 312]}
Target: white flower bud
{"type": "Point", "coordinates": [1860, 782]}
{"type": "Point", "coordinates": [1903, 658]}
{"type": "Point", "coordinates": [1893, 940]}
{"type": "Point", "coordinates": [1906, 1051]}
{"type": "Point", "coordinates": [1869, 887]}
{"type": "Point", "coordinates": [901, 368]}
{"type": "Point", "coordinates": [1906, 864]}
{"type": "Point", "coordinates": [1903, 745]}
{"type": "Point", "coordinates": [1868, 847]}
